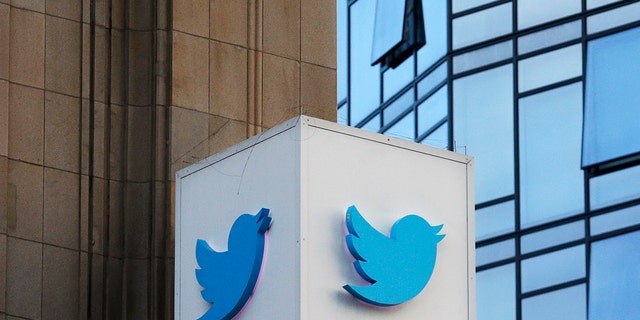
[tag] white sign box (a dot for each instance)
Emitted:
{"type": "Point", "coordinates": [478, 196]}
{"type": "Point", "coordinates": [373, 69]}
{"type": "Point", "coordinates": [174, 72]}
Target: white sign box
{"type": "Point", "coordinates": [308, 172]}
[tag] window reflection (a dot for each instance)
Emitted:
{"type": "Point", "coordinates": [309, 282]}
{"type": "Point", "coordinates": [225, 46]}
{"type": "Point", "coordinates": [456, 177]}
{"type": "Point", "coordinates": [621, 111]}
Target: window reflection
{"type": "Point", "coordinates": [564, 304]}
{"type": "Point", "coordinates": [553, 268]}
{"type": "Point", "coordinates": [496, 293]}
{"type": "Point", "coordinates": [495, 220]}
{"type": "Point", "coordinates": [615, 187]}
{"type": "Point", "coordinates": [483, 25]}
{"type": "Point", "coordinates": [551, 67]}
{"type": "Point", "coordinates": [533, 12]}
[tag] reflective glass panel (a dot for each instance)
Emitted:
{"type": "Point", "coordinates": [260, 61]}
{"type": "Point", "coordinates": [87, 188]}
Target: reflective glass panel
{"type": "Point", "coordinates": [613, 18]}
{"type": "Point", "coordinates": [343, 114]}
{"type": "Point", "coordinates": [614, 286]}
{"type": "Point", "coordinates": [598, 3]}
{"type": "Point", "coordinates": [432, 110]}
{"type": "Point", "coordinates": [614, 187]}
{"type": "Point", "coordinates": [365, 79]}
{"type": "Point", "coordinates": [612, 98]}
{"type": "Point", "coordinates": [438, 138]}
{"type": "Point", "coordinates": [496, 293]}
{"type": "Point", "coordinates": [551, 67]}
{"type": "Point", "coordinates": [373, 124]}
{"type": "Point", "coordinates": [549, 37]}
{"type": "Point", "coordinates": [432, 80]}
{"type": "Point", "coordinates": [404, 129]}
{"type": "Point", "coordinates": [388, 27]}
{"type": "Point", "coordinates": [495, 252]}
{"type": "Point", "coordinates": [495, 220]}
{"type": "Point", "coordinates": [484, 25]}
{"type": "Point", "coordinates": [615, 220]}
{"type": "Point", "coordinates": [534, 12]}
{"type": "Point", "coordinates": [483, 125]}
{"type": "Point", "coordinates": [398, 78]}
{"type": "Point", "coordinates": [481, 57]}
{"type": "Point", "coordinates": [436, 30]}
{"type": "Point", "coordinates": [461, 5]}
{"type": "Point", "coordinates": [397, 107]}
{"type": "Point", "coordinates": [564, 304]}
{"type": "Point", "coordinates": [551, 237]}
{"type": "Point", "coordinates": [342, 48]}
{"type": "Point", "coordinates": [553, 268]}
{"type": "Point", "coordinates": [551, 181]}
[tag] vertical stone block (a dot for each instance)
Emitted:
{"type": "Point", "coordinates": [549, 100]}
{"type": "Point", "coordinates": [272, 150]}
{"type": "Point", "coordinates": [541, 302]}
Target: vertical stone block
{"type": "Point", "coordinates": [228, 74]}
{"type": "Point", "coordinates": [26, 46]}
{"type": "Point", "coordinates": [189, 135]}
{"type": "Point", "coordinates": [4, 38]}
{"type": "Point", "coordinates": [228, 21]}
{"type": "Point", "coordinates": [4, 118]}
{"type": "Point", "coordinates": [62, 132]}
{"type": "Point", "coordinates": [318, 93]}
{"type": "Point", "coordinates": [281, 90]}
{"type": "Point", "coordinates": [61, 208]}
{"type": "Point", "coordinates": [139, 143]}
{"type": "Point", "coordinates": [281, 31]}
{"type": "Point", "coordinates": [24, 278]}
{"type": "Point", "coordinates": [190, 72]}
{"type": "Point", "coordinates": [69, 9]}
{"type": "Point", "coordinates": [224, 133]}
{"type": "Point", "coordinates": [26, 123]}
{"type": "Point", "coordinates": [318, 32]}
{"type": "Point", "coordinates": [25, 199]}
{"type": "Point", "coordinates": [192, 17]}
{"type": "Point", "coordinates": [60, 293]}
{"type": "Point", "coordinates": [62, 56]}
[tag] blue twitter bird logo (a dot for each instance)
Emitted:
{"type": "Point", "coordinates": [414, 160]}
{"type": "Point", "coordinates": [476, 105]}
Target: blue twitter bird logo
{"type": "Point", "coordinates": [398, 267]}
{"type": "Point", "coordinates": [229, 278]}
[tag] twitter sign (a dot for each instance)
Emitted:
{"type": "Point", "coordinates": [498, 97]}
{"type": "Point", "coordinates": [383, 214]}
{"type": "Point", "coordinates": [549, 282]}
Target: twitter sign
{"type": "Point", "coordinates": [398, 267]}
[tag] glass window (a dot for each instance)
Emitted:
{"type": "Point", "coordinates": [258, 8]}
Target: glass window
{"type": "Point", "coordinates": [613, 18]}
{"type": "Point", "coordinates": [342, 48]}
{"type": "Point", "coordinates": [364, 97]}
{"type": "Point", "coordinates": [343, 114]}
{"type": "Point", "coordinates": [564, 304]}
{"type": "Point", "coordinates": [615, 187]}
{"type": "Point", "coordinates": [438, 138]}
{"type": "Point", "coordinates": [495, 220]}
{"type": "Point", "coordinates": [461, 5]}
{"type": "Point", "coordinates": [496, 293]}
{"type": "Point", "coordinates": [404, 129]}
{"type": "Point", "coordinates": [553, 268]}
{"type": "Point", "coordinates": [388, 29]}
{"type": "Point", "coordinates": [481, 57]}
{"type": "Point", "coordinates": [551, 67]}
{"type": "Point", "coordinates": [598, 3]}
{"type": "Point", "coordinates": [432, 110]}
{"type": "Point", "coordinates": [551, 181]}
{"type": "Point", "coordinates": [436, 31]}
{"type": "Point", "coordinates": [535, 12]}
{"type": "Point", "coordinates": [614, 286]}
{"type": "Point", "coordinates": [549, 37]}
{"type": "Point", "coordinates": [397, 107]}
{"type": "Point", "coordinates": [615, 220]}
{"type": "Point", "coordinates": [398, 78]}
{"type": "Point", "coordinates": [495, 252]}
{"type": "Point", "coordinates": [373, 124]}
{"type": "Point", "coordinates": [551, 237]}
{"type": "Point", "coordinates": [612, 98]}
{"type": "Point", "coordinates": [483, 125]}
{"type": "Point", "coordinates": [484, 25]}
{"type": "Point", "coordinates": [432, 80]}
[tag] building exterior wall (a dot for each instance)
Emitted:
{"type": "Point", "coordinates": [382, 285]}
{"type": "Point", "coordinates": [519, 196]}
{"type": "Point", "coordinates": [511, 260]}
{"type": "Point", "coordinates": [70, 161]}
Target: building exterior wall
{"type": "Point", "coordinates": [101, 102]}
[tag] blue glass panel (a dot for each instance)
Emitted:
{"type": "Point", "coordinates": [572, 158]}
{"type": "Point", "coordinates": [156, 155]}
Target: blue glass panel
{"type": "Point", "coordinates": [438, 138]}
{"type": "Point", "coordinates": [550, 125]}
{"type": "Point", "coordinates": [343, 114]}
{"type": "Point", "coordinates": [341, 7]}
{"type": "Point", "coordinates": [398, 78]}
{"type": "Point", "coordinates": [364, 97]}
{"type": "Point", "coordinates": [551, 67]}
{"type": "Point", "coordinates": [534, 12]}
{"type": "Point", "coordinates": [598, 3]}
{"type": "Point", "coordinates": [551, 237]}
{"type": "Point", "coordinates": [373, 125]}
{"type": "Point", "coordinates": [614, 286]}
{"type": "Point", "coordinates": [495, 252]}
{"type": "Point", "coordinates": [432, 80]}
{"type": "Point", "coordinates": [483, 125]}
{"type": "Point", "coordinates": [614, 187]}
{"type": "Point", "coordinates": [549, 37]}
{"type": "Point", "coordinates": [404, 129]}
{"type": "Point", "coordinates": [481, 57]}
{"type": "Point", "coordinates": [615, 220]}
{"type": "Point", "coordinates": [388, 27]}
{"type": "Point", "coordinates": [496, 293]}
{"type": "Point", "coordinates": [436, 30]}
{"type": "Point", "coordinates": [564, 304]}
{"type": "Point", "coordinates": [613, 18]}
{"type": "Point", "coordinates": [397, 107]}
{"type": "Point", "coordinates": [495, 220]}
{"type": "Point", "coordinates": [484, 25]}
{"type": "Point", "coordinates": [553, 268]}
{"type": "Point", "coordinates": [461, 5]}
{"type": "Point", "coordinates": [432, 110]}
{"type": "Point", "coordinates": [612, 98]}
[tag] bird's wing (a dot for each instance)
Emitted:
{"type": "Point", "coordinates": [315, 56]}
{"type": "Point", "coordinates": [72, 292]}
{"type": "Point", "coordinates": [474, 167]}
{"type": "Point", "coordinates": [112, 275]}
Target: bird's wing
{"type": "Point", "coordinates": [211, 274]}
{"type": "Point", "coordinates": [373, 250]}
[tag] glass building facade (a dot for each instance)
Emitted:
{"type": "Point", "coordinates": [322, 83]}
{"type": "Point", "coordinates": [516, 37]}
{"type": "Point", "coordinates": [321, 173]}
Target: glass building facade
{"type": "Point", "coordinates": [546, 96]}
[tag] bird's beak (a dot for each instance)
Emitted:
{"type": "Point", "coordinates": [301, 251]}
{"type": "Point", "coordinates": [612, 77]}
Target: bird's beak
{"type": "Point", "coordinates": [263, 220]}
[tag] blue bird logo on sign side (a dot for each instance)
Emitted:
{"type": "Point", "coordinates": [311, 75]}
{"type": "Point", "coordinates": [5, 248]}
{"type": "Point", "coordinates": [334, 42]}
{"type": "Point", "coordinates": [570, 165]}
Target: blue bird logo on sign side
{"type": "Point", "coordinates": [229, 278]}
{"type": "Point", "coordinates": [398, 267]}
